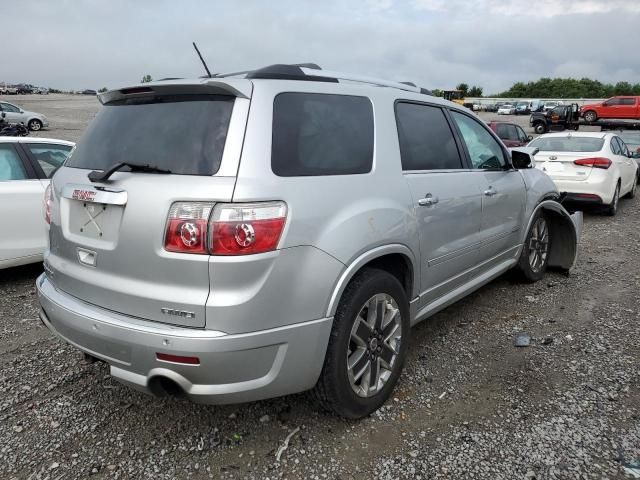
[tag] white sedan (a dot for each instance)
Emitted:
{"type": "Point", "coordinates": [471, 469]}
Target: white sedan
{"type": "Point", "coordinates": [26, 164]}
{"type": "Point", "coordinates": [506, 109]}
{"type": "Point", "coordinates": [588, 167]}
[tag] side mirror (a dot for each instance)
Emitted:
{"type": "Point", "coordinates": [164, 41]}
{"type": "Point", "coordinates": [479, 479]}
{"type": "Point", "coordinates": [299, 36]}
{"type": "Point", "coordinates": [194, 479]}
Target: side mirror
{"type": "Point", "coordinates": [522, 158]}
{"type": "Point", "coordinates": [21, 111]}
{"type": "Point", "coordinates": [530, 137]}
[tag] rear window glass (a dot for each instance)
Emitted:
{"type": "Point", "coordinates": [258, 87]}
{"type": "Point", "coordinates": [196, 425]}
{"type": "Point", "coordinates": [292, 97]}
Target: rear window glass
{"type": "Point", "coordinates": [568, 144]}
{"type": "Point", "coordinates": [185, 134]}
{"type": "Point", "coordinates": [631, 138]}
{"type": "Point", "coordinates": [49, 156]}
{"type": "Point", "coordinates": [321, 134]}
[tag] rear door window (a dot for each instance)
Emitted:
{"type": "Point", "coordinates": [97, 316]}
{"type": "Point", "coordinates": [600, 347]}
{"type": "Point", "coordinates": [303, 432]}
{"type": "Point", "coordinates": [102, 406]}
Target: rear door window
{"type": "Point", "coordinates": [321, 134]}
{"type": "Point", "coordinates": [11, 167]}
{"type": "Point", "coordinates": [185, 134]}
{"type": "Point", "coordinates": [426, 140]}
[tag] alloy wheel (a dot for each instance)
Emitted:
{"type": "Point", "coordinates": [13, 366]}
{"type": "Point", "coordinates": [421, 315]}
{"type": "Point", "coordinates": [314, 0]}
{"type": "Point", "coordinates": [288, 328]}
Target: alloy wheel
{"type": "Point", "coordinates": [538, 245]}
{"type": "Point", "coordinates": [374, 345]}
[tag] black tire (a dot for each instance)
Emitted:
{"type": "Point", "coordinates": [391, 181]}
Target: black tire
{"type": "Point", "coordinates": [590, 116]}
{"type": "Point", "coordinates": [334, 391]}
{"type": "Point", "coordinates": [632, 193]}
{"type": "Point", "coordinates": [540, 128]}
{"type": "Point", "coordinates": [612, 208]}
{"type": "Point", "coordinates": [526, 272]}
{"type": "Point", "coordinates": [35, 125]}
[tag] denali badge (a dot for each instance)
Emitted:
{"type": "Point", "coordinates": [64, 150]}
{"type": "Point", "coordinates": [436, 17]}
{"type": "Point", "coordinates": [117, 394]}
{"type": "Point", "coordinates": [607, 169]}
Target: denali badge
{"type": "Point", "coordinates": [177, 313]}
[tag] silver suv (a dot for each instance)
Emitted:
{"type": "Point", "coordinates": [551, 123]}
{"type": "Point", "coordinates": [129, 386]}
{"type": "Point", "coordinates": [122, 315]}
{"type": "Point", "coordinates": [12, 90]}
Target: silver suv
{"type": "Point", "coordinates": [247, 236]}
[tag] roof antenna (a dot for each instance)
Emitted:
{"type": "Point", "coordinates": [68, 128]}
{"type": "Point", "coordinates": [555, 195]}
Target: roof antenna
{"type": "Point", "coordinates": [202, 59]}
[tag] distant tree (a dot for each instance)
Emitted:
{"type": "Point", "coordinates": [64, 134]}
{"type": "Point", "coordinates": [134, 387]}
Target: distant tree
{"type": "Point", "coordinates": [464, 88]}
{"type": "Point", "coordinates": [54, 90]}
{"type": "Point", "coordinates": [475, 91]}
{"type": "Point", "coordinates": [146, 79]}
{"type": "Point", "coordinates": [436, 92]}
{"type": "Point", "coordinates": [569, 88]}
{"type": "Point", "coordinates": [623, 88]}
{"type": "Point", "coordinates": [102, 90]}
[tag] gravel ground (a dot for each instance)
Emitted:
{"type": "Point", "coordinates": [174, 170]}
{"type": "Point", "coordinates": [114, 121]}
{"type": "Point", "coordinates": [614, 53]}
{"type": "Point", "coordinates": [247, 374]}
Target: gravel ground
{"type": "Point", "coordinates": [470, 404]}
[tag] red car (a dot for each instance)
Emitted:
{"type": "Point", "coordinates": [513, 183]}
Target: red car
{"type": "Point", "coordinates": [512, 135]}
{"type": "Point", "coordinates": [615, 107]}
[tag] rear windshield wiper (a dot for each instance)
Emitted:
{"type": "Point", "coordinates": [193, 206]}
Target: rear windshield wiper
{"type": "Point", "coordinates": [97, 176]}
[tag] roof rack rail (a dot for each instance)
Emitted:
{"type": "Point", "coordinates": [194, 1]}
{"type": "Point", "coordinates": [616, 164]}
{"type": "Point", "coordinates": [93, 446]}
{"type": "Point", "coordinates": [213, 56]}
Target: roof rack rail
{"type": "Point", "coordinates": [311, 72]}
{"type": "Point", "coordinates": [351, 77]}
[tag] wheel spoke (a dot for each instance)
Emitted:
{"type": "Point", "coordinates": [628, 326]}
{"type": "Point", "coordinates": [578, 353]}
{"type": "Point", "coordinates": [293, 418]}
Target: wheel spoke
{"type": "Point", "coordinates": [362, 333]}
{"type": "Point", "coordinates": [374, 374]}
{"type": "Point", "coordinates": [380, 309]}
{"type": "Point", "coordinates": [358, 364]}
{"type": "Point", "coordinates": [390, 329]}
{"type": "Point", "coordinates": [387, 353]}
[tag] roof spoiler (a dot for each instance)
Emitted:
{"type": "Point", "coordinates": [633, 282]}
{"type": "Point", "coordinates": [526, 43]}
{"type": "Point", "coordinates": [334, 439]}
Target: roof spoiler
{"type": "Point", "coordinates": [213, 86]}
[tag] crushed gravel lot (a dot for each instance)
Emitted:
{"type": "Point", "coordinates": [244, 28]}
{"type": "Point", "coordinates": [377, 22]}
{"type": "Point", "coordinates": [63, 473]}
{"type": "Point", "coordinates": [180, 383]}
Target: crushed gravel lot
{"type": "Point", "coordinates": [470, 404]}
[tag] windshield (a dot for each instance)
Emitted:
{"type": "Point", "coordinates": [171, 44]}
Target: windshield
{"type": "Point", "coordinates": [506, 106]}
{"type": "Point", "coordinates": [185, 134]}
{"type": "Point", "coordinates": [568, 144]}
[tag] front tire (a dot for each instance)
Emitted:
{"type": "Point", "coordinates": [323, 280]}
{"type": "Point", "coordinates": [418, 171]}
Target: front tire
{"type": "Point", "coordinates": [367, 346]}
{"type": "Point", "coordinates": [35, 125]}
{"type": "Point", "coordinates": [534, 258]}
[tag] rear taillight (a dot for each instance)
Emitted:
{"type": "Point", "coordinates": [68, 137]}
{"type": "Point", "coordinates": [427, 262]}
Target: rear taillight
{"type": "Point", "coordinates": [231, 229]}
{"type": "Point", "coordinates": [187, 227]}
{"type": "Point", "coordinates": [47, 201]}
{"type": "Point", "coordinates": [243, 229]}
{"type": "Point", "coordinates": [595, 162]}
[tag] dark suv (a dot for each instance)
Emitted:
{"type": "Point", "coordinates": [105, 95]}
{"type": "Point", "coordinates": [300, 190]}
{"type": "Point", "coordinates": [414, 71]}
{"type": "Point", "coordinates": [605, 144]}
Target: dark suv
{"type": "Point", "coordinates": [512, 135]}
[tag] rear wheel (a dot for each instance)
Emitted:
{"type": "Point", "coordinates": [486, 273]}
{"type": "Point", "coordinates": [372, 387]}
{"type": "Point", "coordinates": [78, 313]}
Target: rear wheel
{"type": "Point", "coordinates": [612, 208]}
{"type": "Point", "coordinates": [367, 347]}
{"type": "Point", "coordinates": [632, 193]}
{"type": "Point", "coordinates": [540, 128]}
{"type": "Point", "coordinates": [35, 125]}
{"type": "Point", "coordinates": [534, 257]}
{"type": "Point", "coordinates": [590, 116]}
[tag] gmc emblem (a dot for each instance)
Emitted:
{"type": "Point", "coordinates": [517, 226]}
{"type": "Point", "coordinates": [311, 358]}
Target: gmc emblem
{"type": "Point", "coordinates": [85, 195]}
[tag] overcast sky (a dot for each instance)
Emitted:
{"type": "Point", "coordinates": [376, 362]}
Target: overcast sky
{"type": "Point", "coordinates": [435, 43]}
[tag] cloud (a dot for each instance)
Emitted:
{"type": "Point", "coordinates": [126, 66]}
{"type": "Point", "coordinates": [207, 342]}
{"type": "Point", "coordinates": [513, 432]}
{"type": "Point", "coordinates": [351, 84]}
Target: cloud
{"type": "Point", "coordinates": [435, 43]}
{"type": "Point", "coordinates": [537, 8]}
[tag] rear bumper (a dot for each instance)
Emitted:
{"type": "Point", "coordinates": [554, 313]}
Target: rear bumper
{"type": "Point", "coordinates": [596, 184]}
{"type": "Point", "coordinates": [232, 369]}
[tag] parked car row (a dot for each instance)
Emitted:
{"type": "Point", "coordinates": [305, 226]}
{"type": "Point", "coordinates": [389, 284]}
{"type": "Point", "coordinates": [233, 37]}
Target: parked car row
{"type": "Point", "coordinates": [22, 89]}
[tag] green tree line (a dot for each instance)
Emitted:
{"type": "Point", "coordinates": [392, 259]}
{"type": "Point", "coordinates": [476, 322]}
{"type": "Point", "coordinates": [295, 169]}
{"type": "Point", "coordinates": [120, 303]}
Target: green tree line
{"type": "Point", "coordinates": [569, 88]}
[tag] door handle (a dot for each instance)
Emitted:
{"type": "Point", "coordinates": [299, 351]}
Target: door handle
{"type": "Point", "coordinates": [490, 192]}
{"type": "Point", "coordinates": [428, 200]}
